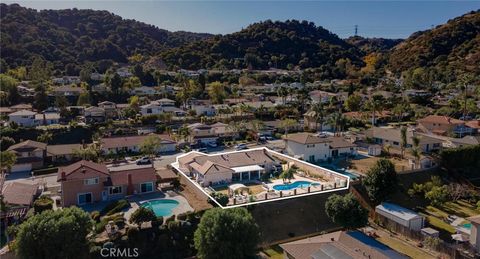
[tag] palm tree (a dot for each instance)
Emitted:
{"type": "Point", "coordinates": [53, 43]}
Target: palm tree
{"type": "Point", "coordinates": [283, 93]}
{"type": "Point", "coordinates": [257, 126]}
{"type": "Point", "coordinates": [287, 124]}
{"type": "Point", "coordinates": [416, 150]}
{"type": "Point", "coordinates": [184, 133]}
{"type": "Point", "coordinates": [338, 121]}
{"type": "Point", "coordinates": [403, 138]}
{"type": "Point", "coordinates": [288, 174]}
{"type": "Point", "coordinates": [319, 115]}
{"type": "Point", "coordinates": [374, 105]}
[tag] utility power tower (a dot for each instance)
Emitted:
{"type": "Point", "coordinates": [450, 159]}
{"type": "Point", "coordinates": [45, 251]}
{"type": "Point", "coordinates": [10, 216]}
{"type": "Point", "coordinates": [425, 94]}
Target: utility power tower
{"type": "Point", "coordinates": [356, 30]}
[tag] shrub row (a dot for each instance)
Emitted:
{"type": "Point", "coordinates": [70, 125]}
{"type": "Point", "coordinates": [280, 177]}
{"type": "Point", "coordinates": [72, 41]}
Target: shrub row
{"type": "Point", "coordinates": [114, 207]}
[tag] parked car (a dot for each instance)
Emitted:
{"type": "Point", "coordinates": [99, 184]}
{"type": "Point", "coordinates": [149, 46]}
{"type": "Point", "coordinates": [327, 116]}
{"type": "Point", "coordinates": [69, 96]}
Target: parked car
{"type": "Point", "coordinates": [202, 149]}
{"type": "Point", "coordinates": [212, 144]}
{"type": "Point", "coordinates": [143, 161]}
{"type": "Point", "coordinates": [241, 147]}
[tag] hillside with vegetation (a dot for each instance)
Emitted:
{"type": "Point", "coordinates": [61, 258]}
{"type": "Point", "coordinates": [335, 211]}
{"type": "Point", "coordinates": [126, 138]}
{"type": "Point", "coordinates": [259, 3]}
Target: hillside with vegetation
{"type": "Point", "coordinates": [369, 45]}
{"type": "Point", "coordinates": [266, 44]}
{"type": "Point", "coordinates": [446, 51]}
{"type": "Point", "coordinates": [72, 37]}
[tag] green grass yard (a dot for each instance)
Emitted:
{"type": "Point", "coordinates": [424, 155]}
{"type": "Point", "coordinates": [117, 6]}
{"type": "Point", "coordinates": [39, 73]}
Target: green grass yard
{"type": "Point", "coordinates": [274, 252]}
{"type": "Point", "coordinates": [403, 248]}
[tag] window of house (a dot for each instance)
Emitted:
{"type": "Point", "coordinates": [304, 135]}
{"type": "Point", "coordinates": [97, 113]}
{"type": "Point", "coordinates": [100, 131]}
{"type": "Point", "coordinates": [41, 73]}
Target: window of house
{"type": "Point", "coordinates": [115, 190]}
{"type": "Point", "coordinates": [396, 143]}
{"type": "Point", "coordinates": [91, 181]}
{"type": "Point", "coordinates": [146, 187]}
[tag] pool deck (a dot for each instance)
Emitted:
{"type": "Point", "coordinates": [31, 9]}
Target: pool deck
{"type": "Point", "coordinates": [272, 194]}
{"type": "Point", "coordinates": [182, 207]}
{"type": "Point", "coordinates": [296, 178]}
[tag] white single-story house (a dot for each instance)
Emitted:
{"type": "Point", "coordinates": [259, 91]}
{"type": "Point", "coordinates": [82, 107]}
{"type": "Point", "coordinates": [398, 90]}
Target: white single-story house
{"type": "Point", "coordinates": [132, 144]}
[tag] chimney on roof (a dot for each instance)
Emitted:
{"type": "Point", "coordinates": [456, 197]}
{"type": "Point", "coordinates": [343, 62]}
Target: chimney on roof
{"type": "Point", "coordinates": [63, 176]}
{"type": "Point", "coordinates": [129, 185]}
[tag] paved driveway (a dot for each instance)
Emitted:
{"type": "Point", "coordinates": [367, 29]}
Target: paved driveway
{"type": "Point", "coordinates": [50, 180]}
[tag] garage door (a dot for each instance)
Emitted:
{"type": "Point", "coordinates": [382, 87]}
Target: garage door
{"type": "Point", "coordinates": [21, 168]}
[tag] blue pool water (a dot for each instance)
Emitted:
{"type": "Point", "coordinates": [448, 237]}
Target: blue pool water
{"type": "Point", "coordinates": [294, 185]}
{"type": "Point", "coordinates": [467, 225]}
{"type": "Point", "coordinates": [162, 207]}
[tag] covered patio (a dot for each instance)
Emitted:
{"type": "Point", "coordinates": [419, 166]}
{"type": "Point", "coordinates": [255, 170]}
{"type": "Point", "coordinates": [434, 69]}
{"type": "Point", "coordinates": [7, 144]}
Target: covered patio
{"type": "Point", "coordinates": [237, 188]}
{"type": "Point", "coordinates": [244, 173]}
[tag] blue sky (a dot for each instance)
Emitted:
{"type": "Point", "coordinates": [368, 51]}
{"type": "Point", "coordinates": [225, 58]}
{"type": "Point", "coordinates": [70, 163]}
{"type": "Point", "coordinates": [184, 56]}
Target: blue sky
{"type": "Point", "coordinates": [388, 19]}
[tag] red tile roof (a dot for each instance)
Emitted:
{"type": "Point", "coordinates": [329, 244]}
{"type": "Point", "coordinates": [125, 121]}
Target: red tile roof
{"type": "Point", "coordinates": [440, 120]}
{"type": "Point", "coordinates": [475, 124]}
{"type": "Point", "coordinates": [67, 170]}
{"type": "Point", "coordinates": [140, 175]}
{"type": "Point", "coordinates": [19, 193]}
{"type": "Point", "coordinates": [28, 144]}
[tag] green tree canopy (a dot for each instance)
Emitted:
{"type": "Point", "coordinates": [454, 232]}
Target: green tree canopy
{"type": "Point", "coordinates": [141, 215]}
{"type": "Point", "coordinates": [7, 159]}
{"type": "Point", "coordinates": [346, 211]}
{"type": "Point", "coordinates": [381, 180]}
{"type": "Point", "coordinates": [55, 234]}
{"type": "Point", "coordinates": [216, 91]}
{"type": "Point", "coordinates": [230, 233]}
{"type": "Point", "coordinates": [150, 145]}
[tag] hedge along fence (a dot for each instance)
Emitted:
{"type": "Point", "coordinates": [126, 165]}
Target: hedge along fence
{"type": "Point", "coordinates": [461, 159]}
{"type": "Point", "coordinates": [49, 170]}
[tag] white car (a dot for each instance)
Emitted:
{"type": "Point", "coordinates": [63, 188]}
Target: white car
{"type": "Point", "coordinates": [241, 147]}
{"type": "Point", "coordinates": [143, 161]}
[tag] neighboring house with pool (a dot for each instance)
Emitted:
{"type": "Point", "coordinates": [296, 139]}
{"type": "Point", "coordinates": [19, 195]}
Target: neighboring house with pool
{"type": "Point", "coordinates": [256, 175]}
{"type": "Point", "coordinates": [228, 167]}
{"type": "Point", "coordinates": [86, 182]}
{"type": "Point", "coordinates": [315, 148]}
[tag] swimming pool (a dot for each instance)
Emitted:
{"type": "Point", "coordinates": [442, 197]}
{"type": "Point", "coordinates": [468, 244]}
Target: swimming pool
{"type": "Point", "coordinates": [161, 207]}
{"type": "Point", "coordinates": [467, 225]}
{"type": "Point", "coordinates": [294, 185]}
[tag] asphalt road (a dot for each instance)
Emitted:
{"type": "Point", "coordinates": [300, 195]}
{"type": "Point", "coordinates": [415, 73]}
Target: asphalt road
{"type": "Point", "coordinates": [50, 180]}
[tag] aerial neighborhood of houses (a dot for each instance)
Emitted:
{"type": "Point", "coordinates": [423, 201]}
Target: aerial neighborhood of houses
{"type": "Point", "coordinates": [265, 144]}
{"type": "Point", "coordinates": [296, 163]}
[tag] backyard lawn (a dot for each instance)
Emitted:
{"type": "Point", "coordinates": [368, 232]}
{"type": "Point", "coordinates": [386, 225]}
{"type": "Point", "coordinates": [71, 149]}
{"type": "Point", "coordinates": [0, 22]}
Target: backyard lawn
{"type": "Point", "coordinates": [364, 164]}
{"type": "Point", "coordinates": [436, 215]}
{"type": "Point", "coordinates": [274, 252]}
{"type": "Point", "coordinates": [404, 248]}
